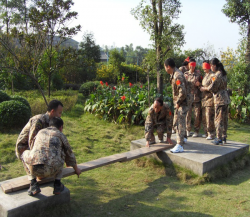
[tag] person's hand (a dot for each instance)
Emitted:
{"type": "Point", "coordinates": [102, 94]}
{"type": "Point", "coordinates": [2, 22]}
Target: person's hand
{"type": "Point", "coordinates": [147, 144]}
{"type": "Point", "coordinates": [169, 141]}
{"type": "Point", "coordinates": [202, 89]}
{"type": "Point", "coordinates": [177, 106]}
{"type": "Point", "coordinates": [78, 171]}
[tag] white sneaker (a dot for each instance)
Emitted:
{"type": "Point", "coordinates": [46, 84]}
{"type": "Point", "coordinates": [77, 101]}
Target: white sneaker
{"type": "Point", "coordinates": [204, 136]}
{"type": "Point", "coordinates": [185, 140]}
{"type": "Point", "coordinates": [209, 138]}
{"type": "Point", "coordinates": [195, 135]}
{"type": "Point", "coordinates": [188, 133]}
{"type": "Point", "coordinates": [177, 149]}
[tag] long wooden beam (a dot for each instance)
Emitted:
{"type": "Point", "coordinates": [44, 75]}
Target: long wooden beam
{"type": "Point", "coordinates": [22, 183]}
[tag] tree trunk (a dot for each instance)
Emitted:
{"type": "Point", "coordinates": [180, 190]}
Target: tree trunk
{"type": "Point", "coordinates": [247, 57]}
{"type": "Point", "coordinates": [159, 74]}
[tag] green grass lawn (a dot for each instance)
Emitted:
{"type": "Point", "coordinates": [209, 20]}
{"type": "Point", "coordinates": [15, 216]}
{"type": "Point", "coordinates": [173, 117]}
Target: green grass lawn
{"type": "Point", "coordinates": [136, 188]}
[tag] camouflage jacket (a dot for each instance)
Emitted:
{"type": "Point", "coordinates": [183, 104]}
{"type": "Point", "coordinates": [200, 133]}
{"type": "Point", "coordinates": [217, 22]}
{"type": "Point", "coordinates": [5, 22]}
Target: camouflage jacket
{"type": "Point", "coordinates": [30, 130]}
{"type": "Point", "coordinates": [183, 69]}
{"type": "Point", "coordinates": [178, 83]}
{"type": "Point", "coordinates": [163, 118]}
{"type": "Point", "coordinates": [207, 96]}
{"type": "Point", "coordinates": [219, 88]}
{"type": "Point", "coordinates": [50, 147]}
{"type": "Point", "coordinates": [193, 90]}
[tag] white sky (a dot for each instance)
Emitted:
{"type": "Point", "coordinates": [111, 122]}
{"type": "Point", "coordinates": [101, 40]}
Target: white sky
{"type": "Point", "coordinates": [112, 23]}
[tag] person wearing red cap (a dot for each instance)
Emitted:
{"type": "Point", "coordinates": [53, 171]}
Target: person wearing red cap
{"type": "Point", "coordinates": [221, 100]}
{"type": "Point", "coordinates": [194, 98]}
{"type": "Point", "coordinates": [185, 66]}
{"type": "Point", "coordinates": [207, 102]}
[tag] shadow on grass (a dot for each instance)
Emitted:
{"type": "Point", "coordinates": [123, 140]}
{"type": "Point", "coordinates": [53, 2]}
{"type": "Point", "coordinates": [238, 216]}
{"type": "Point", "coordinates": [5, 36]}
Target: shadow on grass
{"type": "Point", "coordinates": [88, 201]}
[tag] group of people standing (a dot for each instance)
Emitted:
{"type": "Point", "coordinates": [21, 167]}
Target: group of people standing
{"type": "Point", "coordinates": [207, 97]}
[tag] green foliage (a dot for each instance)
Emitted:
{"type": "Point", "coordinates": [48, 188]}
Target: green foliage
{"type": "Point", "coordinates": [13, 114]}
{"type": "Point", "coordinates": [88, 87]}
{"type": "Point", "coordinates": [21, 99]}
{"type": "Point", "coordinates": [124, 103]}
{"type": "Point", "coordinates": [240, 107]}
{"type": "Point", "coordinates": [4, 96]}
{"type": "Point", "coordinates": [57, 82]}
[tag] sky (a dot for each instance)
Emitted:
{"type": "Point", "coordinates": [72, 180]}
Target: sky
{"type": "Point", "coordinates": [113, 25]}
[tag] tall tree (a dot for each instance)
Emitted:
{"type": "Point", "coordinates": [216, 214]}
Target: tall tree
{"type": "Point", "coordinates": [157, 18]}
{"type": "Point", "coordinates": [239, 12]}
{"type": "Point", "coordinates": [52, 17]}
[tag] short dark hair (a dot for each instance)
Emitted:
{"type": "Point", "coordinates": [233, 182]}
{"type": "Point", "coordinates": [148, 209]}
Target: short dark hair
{"type": "Point", "coordinates": [53, 104]}
{"type": "Point", "coordinates": [159, 100]}
{"type": "Point", "coordinates": [169, 62]}
{"type": "Point", "coordinates": [185, 63]}
{"type": "Point", "coordinates": [192, 60]}
{"type": "Point", "coordinates": [206, 61]}
{"type": "Point", "coordinates": [56, 122]}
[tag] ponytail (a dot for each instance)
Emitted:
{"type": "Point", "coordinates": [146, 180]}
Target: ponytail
{"type": "Point", "coordinates": [219, 66]}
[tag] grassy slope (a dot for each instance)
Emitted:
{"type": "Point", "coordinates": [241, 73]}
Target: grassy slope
{"type": "Point", "coordinates": [136, 188]}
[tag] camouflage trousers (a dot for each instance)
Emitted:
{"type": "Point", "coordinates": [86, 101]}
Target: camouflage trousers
{"type": "Point", "coordinates": [180, 123]}
{"type": "Point", "coordinates": [221, 121]}
{"type": "Point", "coordinates": [160, 130]}
{"type": "Point", "coordinates": [208, 120]}
{"type": "Point", "coordinates": [42, 171]}
{"type": "Point", "coordinates": [197, 116]}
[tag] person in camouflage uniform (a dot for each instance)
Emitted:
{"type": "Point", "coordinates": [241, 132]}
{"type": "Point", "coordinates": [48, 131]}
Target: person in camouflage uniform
{"type": "Point", "coordinates": [221, 100]}
{"type": "Point", "coordinates": [207, 102]}
{"type": "Point", "coordinates": [46, 159]}
{"type": "Point", "coordinates": [185, 66]}
{"type": "Point", "coordinates": [36, 123]}
{"type": "Point", "coordinates": [159, 117]}
{"type": "Point", "coordinates": [179, 91]}
{"type": "Point", "coordinates": [194, 98]}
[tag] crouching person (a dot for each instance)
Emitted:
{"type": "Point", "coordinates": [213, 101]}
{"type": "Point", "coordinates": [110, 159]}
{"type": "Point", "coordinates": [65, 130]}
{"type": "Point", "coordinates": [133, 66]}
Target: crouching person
{"type": "Point", "coordinates": [46, 159]}
{"type": "Point", "coordinates": [159, 118]}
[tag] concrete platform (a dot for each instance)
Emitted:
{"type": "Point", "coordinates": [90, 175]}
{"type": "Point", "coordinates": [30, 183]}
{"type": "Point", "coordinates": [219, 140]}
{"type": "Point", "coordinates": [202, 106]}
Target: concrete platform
{"type": "Point", "coordinates": [200, 155]}
{"type": "Point", "coordinates": [19, 204]}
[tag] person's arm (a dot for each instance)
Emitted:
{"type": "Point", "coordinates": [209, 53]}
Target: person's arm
{"type": "Point", "coordinates": [35, 127]}
{"type": "Point", "coordinates": [181, 89]}
{"type": "Point", "coordinates": [148, 127]}
{"type": "Point", "coordinates": [77, 170]}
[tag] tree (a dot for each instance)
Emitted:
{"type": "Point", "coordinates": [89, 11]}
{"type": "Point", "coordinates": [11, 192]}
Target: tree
{"type": "Point", "coordinates": [157, 18]}
{"type": "Point", "coordinates": [116, 59]}
{"type": "Point", "coordinates": [239, 12]}
{"type": "Point", "coordinates": [52, 17]}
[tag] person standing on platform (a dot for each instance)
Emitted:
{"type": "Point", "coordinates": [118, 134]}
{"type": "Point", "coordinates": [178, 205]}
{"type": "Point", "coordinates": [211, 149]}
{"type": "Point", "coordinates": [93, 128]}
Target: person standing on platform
{"type": "Point", "coordinates": [179, 91]}
{"type": "Point", "coordinates": [185, 66]}
{"type": "Point", "coordinates": [207, 102]}
{"type": "Point", "coordinates": [221, 100]}
{"type": "Point", "coordinates": [194, 98]}
{"type": "Point", "coordinates": [159, 117]}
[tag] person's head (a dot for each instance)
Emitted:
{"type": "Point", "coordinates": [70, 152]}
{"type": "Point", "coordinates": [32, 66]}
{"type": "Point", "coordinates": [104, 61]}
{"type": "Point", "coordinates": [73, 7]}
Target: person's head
{"type": "Point", "coordinates": [206, 66]}
{"type": "Point", "coordinates": [169, 65]}
{"type": "Point", "coordinates": [55, 108]}
{"type": "Point", "coordinates": [158, 103]}
{"type": "Point", "coordinates": [186, 62]}
{"type": "Point", "coordinates": [56, 122]}
{"type": "Point", "coordinates": [192, 64]}
{"type": "Point", "coordinates": [216, 65]}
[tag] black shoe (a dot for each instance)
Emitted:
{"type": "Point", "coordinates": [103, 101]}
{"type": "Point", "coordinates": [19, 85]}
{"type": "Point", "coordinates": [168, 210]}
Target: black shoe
{"type": "Point", "coordinates": [224, 140]}
{"type": "Point", "coordinates": [217, 141]}
{"type": "Point", "coordinates": [58, 188]}
{"type": "Point", "coordinates": [34, 189]}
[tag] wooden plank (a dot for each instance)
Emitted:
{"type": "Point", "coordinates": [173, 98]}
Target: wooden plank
{"type": "Point", "coordinates": [140, 152]}
{"type": "Point", "coordinates": [130, 155]}
{"type": "Point", "coordinates": [24, 182]}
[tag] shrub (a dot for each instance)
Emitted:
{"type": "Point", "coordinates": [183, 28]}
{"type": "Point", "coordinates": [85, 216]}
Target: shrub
{"type": "Point", "coordinates": [21, 99]}
{"type": "Point", "coordinates": [13, 114]}
{"type": "Point", "coordinates": [57, 82]}
{"type": "Point", "coordinates": [4, 96]}
{"type": "Point", "coordinates": [88, 87]}
{"type": "Point", "coordinates": [71, 86]}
